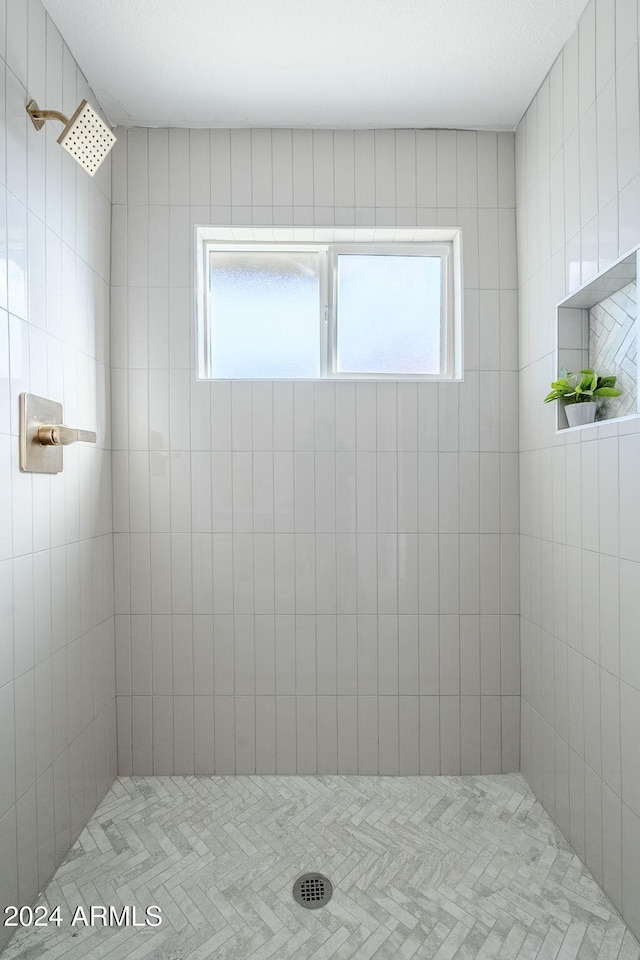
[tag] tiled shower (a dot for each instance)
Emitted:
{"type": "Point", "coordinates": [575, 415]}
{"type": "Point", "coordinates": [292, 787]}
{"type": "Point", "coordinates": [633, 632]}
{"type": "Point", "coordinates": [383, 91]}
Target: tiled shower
{"type": "Point", "coordinates": [315, 578]}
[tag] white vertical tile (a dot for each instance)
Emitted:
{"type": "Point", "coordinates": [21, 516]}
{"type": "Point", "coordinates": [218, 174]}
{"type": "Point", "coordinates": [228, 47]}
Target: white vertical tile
{"type": "Point", "coordinates": [346, 655]}
{"type": "Point", "coordinates": [323, 168]}
{"type": "Point", "coordinates": [368, 713]}
{"type": "Point", "coordinates": [576, 804]}
{"type": "Point", "coordinates": [305, 492]}
{"type": "Point", "coordinates": [367, 655]}
{"type": "Point", "coordinates": [183, 736]}
{"type": "Point", "coordinates": [364, 160]}
{"type": "Point", "coordinates": [385, 168]}
{"type": "Point", "coordinates": [586, 58]}
{"type": "Point", "coordinates": [408, 574]}
{"type": "Point", "coordinates": [163, 736]}
{"type": "Point", "coordinates": [388, 736]}
{"type": "Point", "coordinates": [626, 27]}
{"type": "Point", "coordinates": [285, 734]}
{"type": "Point", "coordinates": [388, 655]}
{"type": "Point", "coordinates": [449, 735]}
{"type": "Point", "coordinates": [387, 492]}
{"type": "Point", "coordinates": [284, 572]}
{"type": "Point", "coordinates": [428, 497]}
{"type": "Point", "coordinates": [324, 416]}
{"type": "Point", "coordinates": [477, 591]}
{"type": "Point", "coordinates": [630, 859]}
{"type": "Point", "coordinates": [326, 571]}
{"type": "Point", "coordinates": [426, 168]}
{"type": "Point", "coordinates": [468, 168]}
{"type": "Point", "coordinates": [142, 736]}
{"type": "Point", "coordinates": [282, 159]}
{"type": "Point", "coordinates": [405, 168]}
{"type": "Point", "coordinates": [302, 168]}
{"type": "Point", "coordinates": [241, 168]}
{"type": "Point", "coordinates": [345, 493]}
{"type": "Point", "coordinates": [610, 614]}
{"type": "Point", "coordinates": [265, 735]}
{"type": "Point", "coordinates": [605, 41]}
{"type": "Point", "coordinates": [429, 720]}
{"type": "Point", "coordinates": [245, 735]}
{"type": "Point", "coordinates": [429, 573]}
{"type": "Point", "coordinates": [158, 170]}
{"type": "Point", "coordinates": [589, 165]}
{"type": "Point", "coordinates": [571, 83]}
{"type": "Point", "coordinates": [612, 845]}
{"type": "Point", "coordinates": [449, 660]}
{"type": "Point", "coordinates": [347, 733]}
{"type": "Point", "coordinates": [606, 134]}
{"type": "Point", "coordinates": [306, 723]}
{"type": "Point", "coordinates": [446, 156]}
{"type": "Point", "coordinates": [627, 133]}
{"type": "Point", "coordinates": [343, 160]}
{"type": "Point", "coordinates": [510, 708]}
{"type": "Point", "coordinates": [409, 735]}
{"type": "Point", "coordinates": [629, 718]}
{"type": "Point", "coordinates": [470, 731]}
{"type": "Point", "coordinates": [407, 492]}
{"type": "Point", "coordinates": [429, 655]}
{"type": "Point", "coordinates": [224, 735]}
{"type": "Point", "coordinates": [345, 405]}
{"type": "Point", "coordinates": [592, 726]}
{"type": "Point", "coordinates": [629, 514]}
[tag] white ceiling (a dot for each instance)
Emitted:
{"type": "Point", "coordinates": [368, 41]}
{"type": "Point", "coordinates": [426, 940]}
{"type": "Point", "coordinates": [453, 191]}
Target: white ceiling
{"type": "Point", "coordinates": [315, 63]}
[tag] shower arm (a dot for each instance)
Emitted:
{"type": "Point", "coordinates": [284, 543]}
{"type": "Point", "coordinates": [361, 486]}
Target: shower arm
{"type": "Point", "coordinates": [38, 116]}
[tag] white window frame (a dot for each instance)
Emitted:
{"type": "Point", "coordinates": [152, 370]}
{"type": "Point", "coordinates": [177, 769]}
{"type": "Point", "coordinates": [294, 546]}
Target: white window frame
{"type": "Point", "coordinates": [444, 244]}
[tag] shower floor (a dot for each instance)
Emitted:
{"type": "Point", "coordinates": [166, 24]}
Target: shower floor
{"type": "Point", "coordinates": [422, 867]}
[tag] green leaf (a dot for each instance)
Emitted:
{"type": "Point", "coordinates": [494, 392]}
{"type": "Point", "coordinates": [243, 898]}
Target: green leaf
{"type": "Point", "coordinates": [606, 392]}
{"type": "Point", "coordinates": [582, 387]}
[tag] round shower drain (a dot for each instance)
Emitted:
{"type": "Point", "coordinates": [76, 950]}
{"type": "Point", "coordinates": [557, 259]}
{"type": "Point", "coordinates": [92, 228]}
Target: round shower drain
{"type": "Point", "coordinates": [312, 890]}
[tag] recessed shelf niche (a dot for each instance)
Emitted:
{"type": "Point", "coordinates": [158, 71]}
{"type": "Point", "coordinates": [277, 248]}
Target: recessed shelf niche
{"type": "Point", "coordinates": [597, 327]}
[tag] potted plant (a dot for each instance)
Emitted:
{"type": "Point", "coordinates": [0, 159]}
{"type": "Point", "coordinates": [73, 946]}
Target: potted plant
{"type": "Point", "coordinates": [580, 393]}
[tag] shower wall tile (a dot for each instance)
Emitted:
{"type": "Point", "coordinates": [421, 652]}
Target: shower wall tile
{"type": "Point", "coordinates": [579, 509]}
{"type": "Point", "coordinates": [312, 577]}
{"type": "Point", "coordinates": [57, 651]}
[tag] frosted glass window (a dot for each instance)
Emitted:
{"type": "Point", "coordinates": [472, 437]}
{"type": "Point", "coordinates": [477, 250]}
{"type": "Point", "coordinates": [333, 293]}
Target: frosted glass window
{"type": "Point", "coordinates": [389, 314]}
{"type": "Point", "coordinates": [264, 310]}
{"type": "Point", "coordinates": [306, 309]}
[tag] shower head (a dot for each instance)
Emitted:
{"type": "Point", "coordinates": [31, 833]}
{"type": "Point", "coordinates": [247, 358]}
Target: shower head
{"type": "Point", "coordinates": [85, 136]}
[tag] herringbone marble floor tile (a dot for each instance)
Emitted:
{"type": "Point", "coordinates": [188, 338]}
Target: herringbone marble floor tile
{"type": "Point", "coordinates": [449, 868]}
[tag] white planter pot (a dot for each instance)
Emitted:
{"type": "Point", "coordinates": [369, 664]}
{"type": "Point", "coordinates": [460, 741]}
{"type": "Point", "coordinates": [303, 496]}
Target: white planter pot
{"type": "Point", "coordinates": [580, 413]}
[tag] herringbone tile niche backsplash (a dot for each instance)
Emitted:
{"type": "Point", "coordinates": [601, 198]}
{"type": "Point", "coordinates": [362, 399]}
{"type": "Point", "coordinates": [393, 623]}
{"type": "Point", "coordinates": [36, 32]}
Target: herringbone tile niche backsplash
{"type": "Point", "coordinates": [613, 346]}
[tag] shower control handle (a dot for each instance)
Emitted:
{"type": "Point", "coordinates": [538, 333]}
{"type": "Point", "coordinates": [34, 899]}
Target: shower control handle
{"type": "Point", "coordinates": [54, 434]}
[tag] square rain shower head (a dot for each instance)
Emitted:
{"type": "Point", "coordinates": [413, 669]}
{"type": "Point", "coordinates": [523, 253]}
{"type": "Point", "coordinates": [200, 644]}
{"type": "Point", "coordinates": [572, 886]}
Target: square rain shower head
{"type": "Point", "coordinates": [87, 138]}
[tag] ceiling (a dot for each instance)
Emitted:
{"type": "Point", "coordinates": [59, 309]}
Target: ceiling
{"type": "Point", "coordinates": [315, 63]}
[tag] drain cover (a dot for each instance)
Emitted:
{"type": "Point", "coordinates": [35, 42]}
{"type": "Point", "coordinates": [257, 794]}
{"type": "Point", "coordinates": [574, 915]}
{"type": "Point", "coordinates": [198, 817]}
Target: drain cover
{"type": "Point", "coordinates": [312, 890]}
